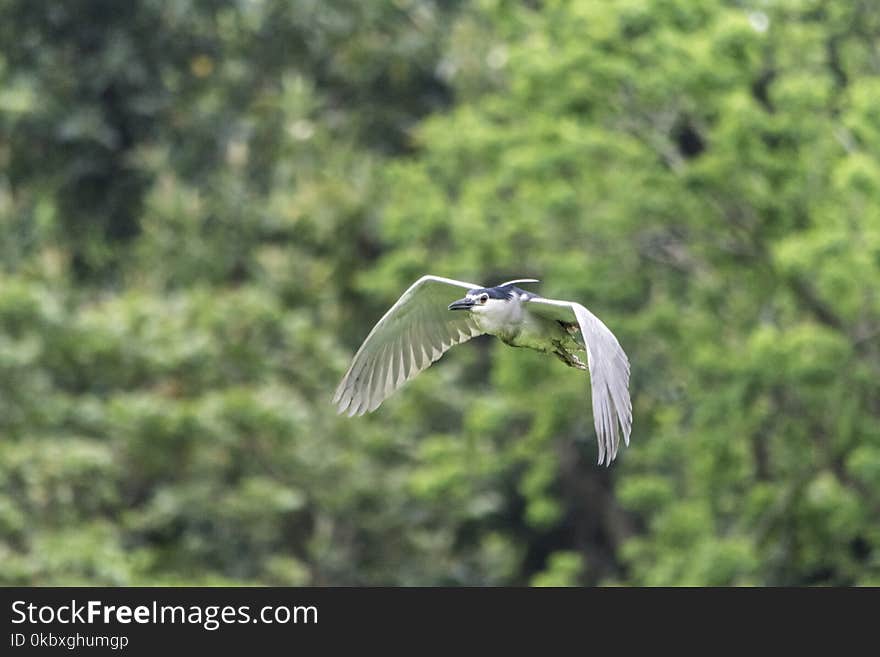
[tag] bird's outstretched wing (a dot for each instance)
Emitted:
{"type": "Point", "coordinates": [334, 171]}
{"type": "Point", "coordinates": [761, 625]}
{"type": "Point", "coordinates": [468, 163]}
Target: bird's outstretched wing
{"type": "Point", "coordinates": [609, 372]}
{"type": "Point", "coordinates": [415, 332]}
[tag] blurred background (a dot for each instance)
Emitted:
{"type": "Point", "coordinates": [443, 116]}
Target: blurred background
{"type": "Point", "coordinates": [205, 206]}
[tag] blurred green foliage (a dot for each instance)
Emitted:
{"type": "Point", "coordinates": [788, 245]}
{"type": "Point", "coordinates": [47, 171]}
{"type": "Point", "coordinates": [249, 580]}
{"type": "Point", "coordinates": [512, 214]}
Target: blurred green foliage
{"type": "Point", "coordinates": [205, 205]}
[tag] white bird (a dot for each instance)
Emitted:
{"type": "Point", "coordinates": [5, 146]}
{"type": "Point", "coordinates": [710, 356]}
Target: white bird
{"type": "Point", "coordinates": [423, 325]}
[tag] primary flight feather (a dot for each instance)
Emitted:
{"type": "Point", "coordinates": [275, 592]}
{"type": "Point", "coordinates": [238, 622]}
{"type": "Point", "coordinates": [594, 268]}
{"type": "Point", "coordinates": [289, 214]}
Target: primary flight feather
{"type": "Point", "coordinates": [423, 325]}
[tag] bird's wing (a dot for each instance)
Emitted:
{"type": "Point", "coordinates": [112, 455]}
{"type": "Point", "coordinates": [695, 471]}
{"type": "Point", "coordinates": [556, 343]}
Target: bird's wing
{"type": "Point", "coordinates": [415, 332]}
{"type": "Point", "coordinates": [609, 372]}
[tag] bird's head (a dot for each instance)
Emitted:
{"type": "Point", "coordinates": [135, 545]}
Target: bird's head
{"type": "Point", "coordinates": [481, 299]}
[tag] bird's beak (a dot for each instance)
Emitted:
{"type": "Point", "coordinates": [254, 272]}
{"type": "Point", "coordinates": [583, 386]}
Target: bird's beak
{"type": "Point", "coordinates": [461, 304]}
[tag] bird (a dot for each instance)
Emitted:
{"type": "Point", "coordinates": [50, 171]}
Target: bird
{"type": "Point", "coordinates": [426, 321]}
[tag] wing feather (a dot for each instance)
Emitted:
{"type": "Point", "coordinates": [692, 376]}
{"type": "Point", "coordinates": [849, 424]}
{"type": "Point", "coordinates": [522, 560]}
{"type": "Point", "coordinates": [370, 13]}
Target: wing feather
{"type": "Point", "coordinates": [609, 373]}
{"type": "Point", "coordinates": [378, 378]}
{"type": "Point", "coordinates": [416, 331]}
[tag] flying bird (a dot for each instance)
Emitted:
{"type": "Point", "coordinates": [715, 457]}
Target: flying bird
{"type": "Point", "coordinates": [423, 325]}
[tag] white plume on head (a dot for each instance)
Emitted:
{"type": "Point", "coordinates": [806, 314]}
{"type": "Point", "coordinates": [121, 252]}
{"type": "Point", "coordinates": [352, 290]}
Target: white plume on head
{"type": "Point", "coordinates": [520, 280]}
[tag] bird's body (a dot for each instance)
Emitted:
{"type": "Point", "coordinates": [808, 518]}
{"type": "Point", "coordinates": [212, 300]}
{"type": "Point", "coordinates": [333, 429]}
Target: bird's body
{"type": "Point", "coordinates": [508, 317]}
{"type": "Point", "coordinates": [505, 317]}
{"type": "Point", "coordinates": [419, 328]}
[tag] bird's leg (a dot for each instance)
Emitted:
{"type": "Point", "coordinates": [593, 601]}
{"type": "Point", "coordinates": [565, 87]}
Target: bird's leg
{"type": "Point", "coordinates": [563, 346]}
{"type": "Point", "coordinates": [578, 363]}
{"type": "Point", "coordinates": [569, 358]}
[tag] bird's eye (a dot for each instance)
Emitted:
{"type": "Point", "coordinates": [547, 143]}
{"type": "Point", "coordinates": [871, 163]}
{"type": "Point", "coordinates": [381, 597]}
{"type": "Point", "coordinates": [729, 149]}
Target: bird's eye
{"type": "Point", "coordinates": [484, 298]}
